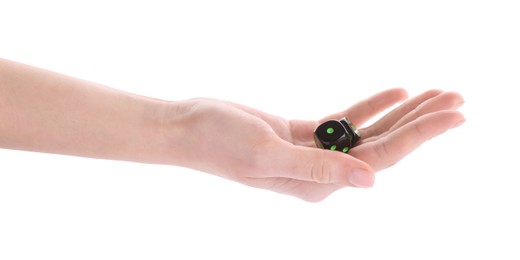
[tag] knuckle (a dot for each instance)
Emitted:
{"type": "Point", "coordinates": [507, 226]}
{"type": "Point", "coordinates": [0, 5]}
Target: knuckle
{"type": "Point", "coordinates": [320, 171]}
{"type": "Point", "coordinates": [384, 154]}
{"type": "Point", "coordinates": [420, 131]}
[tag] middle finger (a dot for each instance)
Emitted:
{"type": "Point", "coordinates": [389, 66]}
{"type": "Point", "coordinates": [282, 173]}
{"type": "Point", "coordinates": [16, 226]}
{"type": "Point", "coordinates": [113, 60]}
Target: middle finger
{"type": "Point", "coordinates": [390, 119]}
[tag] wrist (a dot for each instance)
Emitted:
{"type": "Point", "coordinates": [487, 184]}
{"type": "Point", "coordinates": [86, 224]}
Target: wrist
{"type": "Point", "coordinates": [168, 137]}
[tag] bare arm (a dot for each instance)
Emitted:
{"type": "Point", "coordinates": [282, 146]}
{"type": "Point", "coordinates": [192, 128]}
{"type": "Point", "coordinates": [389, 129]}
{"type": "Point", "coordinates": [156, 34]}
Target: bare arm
{"type": "Point", "coordinates": [48, 112]}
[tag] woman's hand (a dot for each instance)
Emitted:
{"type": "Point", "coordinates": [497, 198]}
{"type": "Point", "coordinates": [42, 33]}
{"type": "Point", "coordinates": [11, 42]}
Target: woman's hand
{"type": "Point", "coordinates": [44, 111]}
{"type": "Point", "coordinates": [265, 151]}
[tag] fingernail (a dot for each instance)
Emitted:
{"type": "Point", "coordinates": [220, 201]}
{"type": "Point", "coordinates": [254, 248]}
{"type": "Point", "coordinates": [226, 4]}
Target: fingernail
{"type": "Point", "coordinates": [458, 123]}
{"type": "Point", "coordinates": [361, 178]}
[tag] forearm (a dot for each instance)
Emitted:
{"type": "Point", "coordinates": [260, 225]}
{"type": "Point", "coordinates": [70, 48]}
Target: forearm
{"type": "Point", "coordinates": [48, 112]}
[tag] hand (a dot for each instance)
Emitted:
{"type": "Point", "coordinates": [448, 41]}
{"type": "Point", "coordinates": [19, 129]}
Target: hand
{"type": "Point", "coordinates": [43, 111]}
{"type": "Point", "coordinates": [269, 152]}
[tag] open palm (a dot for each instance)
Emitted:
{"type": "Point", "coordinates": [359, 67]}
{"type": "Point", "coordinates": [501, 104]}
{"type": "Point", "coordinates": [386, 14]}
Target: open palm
{"type": "Point", "coordinates": [269, 152]}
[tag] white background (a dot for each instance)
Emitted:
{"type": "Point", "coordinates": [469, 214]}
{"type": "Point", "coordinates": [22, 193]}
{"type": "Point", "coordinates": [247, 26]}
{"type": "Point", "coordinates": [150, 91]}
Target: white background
{"type": "Point", "coordinates": [456, 197]}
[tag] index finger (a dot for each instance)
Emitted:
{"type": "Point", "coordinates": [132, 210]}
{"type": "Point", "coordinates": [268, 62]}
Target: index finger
{"type": "Point", "coordinates": [365, 109]}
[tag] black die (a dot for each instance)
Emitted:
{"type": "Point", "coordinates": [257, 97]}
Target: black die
{"type": "Point", "coordinates": [336, 135]}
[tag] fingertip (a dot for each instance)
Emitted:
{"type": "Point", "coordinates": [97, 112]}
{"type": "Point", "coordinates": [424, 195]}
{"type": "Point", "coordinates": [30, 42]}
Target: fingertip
{"type": "Point", "coordinates": [433, 92]}
{"type": "Point", "coordinates": [447, 117]}
{"type": "Point", "coordinates": [396, 94]}
{"type": "Point", "coordinates": [358, 173]}
{"type": "Point", "coordinates": [361, 178]}
{"type": "Point", "coordinates": [458, 120]}
{"type": "Point", "coordinates": [456, 99]}
{"type": "Point", "coordinates": [400, 92]}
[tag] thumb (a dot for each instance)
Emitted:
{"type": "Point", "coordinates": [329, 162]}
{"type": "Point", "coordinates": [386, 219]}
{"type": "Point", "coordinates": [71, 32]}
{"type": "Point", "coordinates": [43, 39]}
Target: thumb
{"type": "Point", "coordinates": [317, 165]}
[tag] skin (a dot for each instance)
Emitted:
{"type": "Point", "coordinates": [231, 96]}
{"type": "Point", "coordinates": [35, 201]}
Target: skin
{"type": "Point", "coordinates": [49, 112]}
